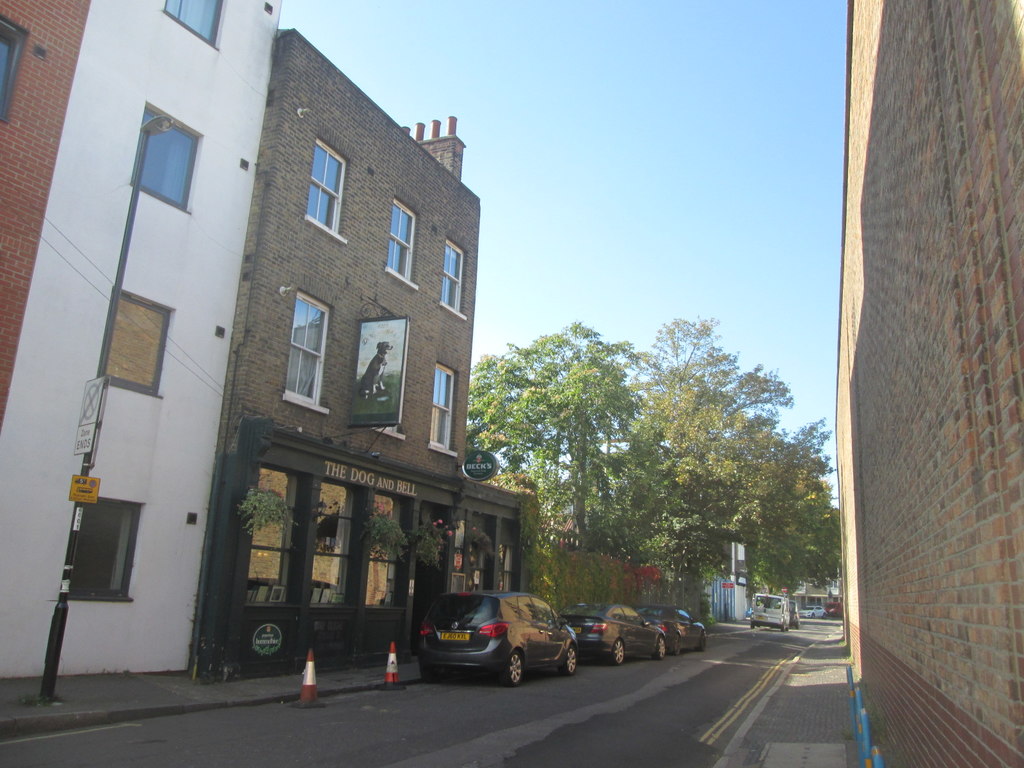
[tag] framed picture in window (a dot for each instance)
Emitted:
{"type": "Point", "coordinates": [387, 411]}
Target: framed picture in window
{"type": "Point", "coordinates": [379, 385]}
{"type": "Point", "coordinates": [277, 594]}
{"type": "Point", "coordinates": [458, 582]}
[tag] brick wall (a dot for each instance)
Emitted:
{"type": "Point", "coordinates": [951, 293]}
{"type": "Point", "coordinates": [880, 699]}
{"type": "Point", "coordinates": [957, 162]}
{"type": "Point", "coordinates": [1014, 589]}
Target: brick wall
{"type": "Point", "coordinates": [931, 390]}
{"type": "Point", "coordinates": [29, 137]}
{"type": "Point", "coordinates": [383, 163]}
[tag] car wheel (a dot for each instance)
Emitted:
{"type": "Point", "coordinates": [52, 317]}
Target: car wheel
{"type": "Point", "coordinates": [752, 625]}
{"type": "Point", "coordinates": [618, 654]}
{"type": "Point", "coordinates": [569, 665]}
{"type": "Point", "coordinates": [679, 645]}
{"type": "Point", "coordinates": [659, 649]}
{"type": "Point", "coordinates": [703, 644]}
{"type": "Point", "coordinates": [512, 674]}
{"type": "Point", "coordinates": [429, 674]}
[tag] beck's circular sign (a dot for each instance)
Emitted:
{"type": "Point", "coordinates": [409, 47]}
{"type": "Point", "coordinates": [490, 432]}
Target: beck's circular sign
{"type": "Point", "coordinates": [480, 465]}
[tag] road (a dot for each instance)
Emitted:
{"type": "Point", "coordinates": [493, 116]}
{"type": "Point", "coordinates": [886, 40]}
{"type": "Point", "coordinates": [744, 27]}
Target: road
{"type": "Point", "coordinates": [682, 710]}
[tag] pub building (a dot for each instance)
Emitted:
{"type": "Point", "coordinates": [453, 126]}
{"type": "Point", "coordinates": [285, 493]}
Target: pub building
{"type": "Point", "coordinates": [319, 579]}
{"type": "Point", "coordinates": [340, 503]}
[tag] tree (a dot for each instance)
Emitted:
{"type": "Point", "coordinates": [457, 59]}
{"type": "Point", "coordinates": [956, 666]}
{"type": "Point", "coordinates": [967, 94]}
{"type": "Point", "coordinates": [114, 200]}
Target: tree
{"type": "Point", "coordinates": [555, 410]}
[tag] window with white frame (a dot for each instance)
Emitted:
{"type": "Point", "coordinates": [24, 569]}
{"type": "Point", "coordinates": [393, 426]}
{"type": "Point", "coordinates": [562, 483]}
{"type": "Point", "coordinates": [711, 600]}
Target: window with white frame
{"type": "Point", "coordinates": [11, 40]}
{"type": "Point", "coordinates": [400, 241]}
{"type": "Point", "coordinates": [451, 278]}
{"type": "Point", "coordinates": [105, 550]}
{"type": "Point", "coordinates": [324, 203]}
{"type": "Point", "coordinates": [167, 170]}
{"type": "Point", "coordinates": [305, 361]}
{"type": "Point", "coordinates": [201, 16]}
{"type": "Point", "coordinates": [441, 415]}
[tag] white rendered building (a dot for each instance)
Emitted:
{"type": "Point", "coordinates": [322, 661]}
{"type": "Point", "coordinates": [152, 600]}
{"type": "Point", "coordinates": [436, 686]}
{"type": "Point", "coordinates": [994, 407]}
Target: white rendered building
{"type": "Point", "coordinates": [132, 600]}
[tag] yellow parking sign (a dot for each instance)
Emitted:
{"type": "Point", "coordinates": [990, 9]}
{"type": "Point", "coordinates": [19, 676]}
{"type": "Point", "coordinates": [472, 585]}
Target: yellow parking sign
{"type": "Point", "coordinates": [84, 489]}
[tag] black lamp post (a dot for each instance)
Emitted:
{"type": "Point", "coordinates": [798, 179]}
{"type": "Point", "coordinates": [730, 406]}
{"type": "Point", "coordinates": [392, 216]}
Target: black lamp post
{"type": "Point", "coordinates": [154, 125]}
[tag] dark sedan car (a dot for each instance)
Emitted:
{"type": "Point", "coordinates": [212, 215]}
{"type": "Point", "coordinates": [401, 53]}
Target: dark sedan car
{"type": "Point", "coordinates": [503, 632]}
{"type": "Point", "coordinates": [613, 632]}
{"type": "Point", "coordinates": [681, 631]}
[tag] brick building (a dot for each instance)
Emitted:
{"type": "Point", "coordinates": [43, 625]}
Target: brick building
{"type": "Point", "coordinates": [38, 51]}
{"type": "Point", "coordinates": [347, 389]}
{"type": "Point", "coordinates": [930, 387]}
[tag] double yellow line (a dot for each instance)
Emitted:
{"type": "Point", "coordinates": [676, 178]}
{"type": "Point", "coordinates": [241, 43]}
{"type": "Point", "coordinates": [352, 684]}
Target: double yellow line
{"type": "Point", "coordinates": [715, 731]}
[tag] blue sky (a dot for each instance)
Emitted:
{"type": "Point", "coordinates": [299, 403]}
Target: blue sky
{"type": "Point", "coordinates": [636, 162]}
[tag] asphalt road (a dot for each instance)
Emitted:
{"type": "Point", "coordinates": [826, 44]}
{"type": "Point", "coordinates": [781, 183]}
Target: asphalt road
{"type": "Point", "coordinates": [679, 711]}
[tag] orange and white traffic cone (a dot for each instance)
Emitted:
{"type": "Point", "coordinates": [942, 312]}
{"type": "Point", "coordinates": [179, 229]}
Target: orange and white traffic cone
{"type": "Point", "coordinates": [391, 674]}
{"type": "Point", "coordinates": [307, 695]}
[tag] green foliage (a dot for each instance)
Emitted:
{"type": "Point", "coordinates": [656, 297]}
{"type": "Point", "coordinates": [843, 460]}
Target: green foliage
{"type": "Point", "coordinates": [429, 541]}
{"type": "Point", "coordinates": [261, 508]}
{"type": "Point", "coordinates": [385, 534]}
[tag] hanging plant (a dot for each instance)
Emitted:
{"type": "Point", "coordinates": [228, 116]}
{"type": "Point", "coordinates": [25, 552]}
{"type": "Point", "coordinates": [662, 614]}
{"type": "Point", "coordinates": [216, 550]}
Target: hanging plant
{"type": "Point", "coordinates": [261, 507]}
{"type": "Point", "coordinates": [386, 534]}
{"type": "Point", "coordinates": [481, 541]}
{"type": "Point", "coordinates": [429, 541]}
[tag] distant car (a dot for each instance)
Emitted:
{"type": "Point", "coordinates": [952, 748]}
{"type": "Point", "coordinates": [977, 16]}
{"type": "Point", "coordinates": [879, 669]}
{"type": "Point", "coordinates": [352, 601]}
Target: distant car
{"type": "Point", "coordinates": [813, 612]}
{"type": "Point", "coordinates": [681, 631]}
{"type": "Point", "coordinates": [613, 632]}
{"type": "Point", "coordinates": [503, 632]}
{"type": "Point", "coordinates": [834, 610]}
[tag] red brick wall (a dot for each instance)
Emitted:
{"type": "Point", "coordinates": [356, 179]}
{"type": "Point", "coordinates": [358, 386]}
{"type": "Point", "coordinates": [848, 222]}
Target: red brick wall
{"type": "Point", "coordinates": [29, 138]}
{"type": "Point", "coordinates": [931, 389]}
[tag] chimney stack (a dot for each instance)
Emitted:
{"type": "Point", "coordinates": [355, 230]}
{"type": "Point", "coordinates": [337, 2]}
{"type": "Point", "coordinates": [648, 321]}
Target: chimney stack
{"type": "Point", "coordinates": [447, 149]}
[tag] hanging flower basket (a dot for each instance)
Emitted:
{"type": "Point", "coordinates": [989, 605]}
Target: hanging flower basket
{"type": "Point", "coordinates": [386, 534]}
{"type": "Point", "coordinates": [429, 541]}
{"type": "Point", "coordinates": [481, 541]}
{"type": "Point", "coordinates": [261, 508]}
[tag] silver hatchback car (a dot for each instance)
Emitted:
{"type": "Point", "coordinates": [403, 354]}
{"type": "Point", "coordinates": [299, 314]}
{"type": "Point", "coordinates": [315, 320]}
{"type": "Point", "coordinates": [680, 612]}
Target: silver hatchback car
{"type": "Point", "coordinates": [503, 632]}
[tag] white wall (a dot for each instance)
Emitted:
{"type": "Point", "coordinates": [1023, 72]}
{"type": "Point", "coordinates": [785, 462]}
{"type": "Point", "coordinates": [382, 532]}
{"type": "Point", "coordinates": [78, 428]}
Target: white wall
{"type": "Point", "coordinates": [157, 451]}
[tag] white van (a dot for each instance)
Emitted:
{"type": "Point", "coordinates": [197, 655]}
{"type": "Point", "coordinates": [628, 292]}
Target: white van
{"type": "Point", "coordinates": [770, 611]}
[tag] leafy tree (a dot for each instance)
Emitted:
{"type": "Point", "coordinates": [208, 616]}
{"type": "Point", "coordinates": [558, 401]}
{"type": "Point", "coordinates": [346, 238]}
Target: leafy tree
{"type": "Point", "coordinates": [554, 410]}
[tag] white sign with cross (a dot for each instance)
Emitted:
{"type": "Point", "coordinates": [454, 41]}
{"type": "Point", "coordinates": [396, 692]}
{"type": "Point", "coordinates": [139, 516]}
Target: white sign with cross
{"type": "Point", "coordinates": [93, 400]}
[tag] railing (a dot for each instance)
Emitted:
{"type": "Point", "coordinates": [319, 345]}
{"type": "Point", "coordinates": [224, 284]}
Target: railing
{"type": "Point", "coordinates": [870, 755]}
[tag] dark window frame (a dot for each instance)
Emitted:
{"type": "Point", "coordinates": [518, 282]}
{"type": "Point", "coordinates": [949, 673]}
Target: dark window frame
{"type": "Point", "coordinates": [176, 130]}
{"type": "Point", "coordinates": [165, 313]}
{"type": "Point", "coordinates": [14, 38]}
{"type": "Point", "coordinates": [124, 550]}
{"type": "Point", "coordinates": [214, 25]}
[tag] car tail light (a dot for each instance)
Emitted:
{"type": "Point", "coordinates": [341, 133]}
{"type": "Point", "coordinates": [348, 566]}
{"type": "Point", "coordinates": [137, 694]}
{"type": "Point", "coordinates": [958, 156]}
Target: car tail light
{"type": "Point", "coordinates": [599, 628]}
{"type": "Point", "coordinates": [663, 628]}
{"type": "Point", "coordinates": [426, 628]}
{"type": "Point", "coordinates": [494, 629]}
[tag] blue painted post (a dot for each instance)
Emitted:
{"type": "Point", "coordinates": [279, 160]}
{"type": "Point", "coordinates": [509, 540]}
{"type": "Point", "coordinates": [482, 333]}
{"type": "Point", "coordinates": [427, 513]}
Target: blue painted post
{"type": "Point", "coordinates": [865, 741]}
{"type": "Point", "coordinates": [876, 758]}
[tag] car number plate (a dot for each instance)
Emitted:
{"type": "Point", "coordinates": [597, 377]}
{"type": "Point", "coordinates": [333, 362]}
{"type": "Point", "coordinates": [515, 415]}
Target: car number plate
{"type": "Point", "coordinates": [578, 630]}
{"type": "Point", "coordinates": [460, 636]}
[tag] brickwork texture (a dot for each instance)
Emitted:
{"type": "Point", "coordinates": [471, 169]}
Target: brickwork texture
{"type": "Point", "coordinates": [930, 386]}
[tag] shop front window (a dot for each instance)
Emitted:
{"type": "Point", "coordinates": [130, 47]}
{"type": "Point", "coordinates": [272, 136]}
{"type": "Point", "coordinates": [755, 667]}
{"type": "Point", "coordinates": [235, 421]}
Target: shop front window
{"type": "Point", "coordinates": [380, 581]}
{"type": "Point", "coordinates": [269, 555]}
{"type": "Point", "coordinates": [331, 551]}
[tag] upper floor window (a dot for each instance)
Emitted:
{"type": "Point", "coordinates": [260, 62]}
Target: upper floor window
{"type": "Point", "coordinates": [11, 39]}
{"type": "Point", "coordinates": [167, 170]}
{"type": "Point", "coordinates": [305, 361]}
{"type": "Point", "coordinates": [441, 416]}
{"type": "Point", "coordinates": [451, 277]}
{"type": "Point", "coordinates": [136, 355]}
{"type": "Point", "coordinates": [324, 204]}
{"type": "Point", "coordinates": [400, 241]}
{"type": "Point", "coordinates": [201, 16]}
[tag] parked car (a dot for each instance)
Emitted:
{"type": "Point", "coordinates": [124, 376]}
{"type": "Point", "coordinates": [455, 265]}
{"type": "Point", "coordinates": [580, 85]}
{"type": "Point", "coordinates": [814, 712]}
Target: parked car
{"type": "Point", "coordinates": [503, 632]}
{"type": "Point", "coordinates": [770, 611]}
{"type": "Point", "coordinates": [794, 617]}
{"type": "Point", "coordinates": [613, 632]}
{"type": "Point", "coordinates": [813, 612]}
{"type": "Point", "coordinates": [681, 631]}
{"type": "Point", "coordinates": [834, 610]}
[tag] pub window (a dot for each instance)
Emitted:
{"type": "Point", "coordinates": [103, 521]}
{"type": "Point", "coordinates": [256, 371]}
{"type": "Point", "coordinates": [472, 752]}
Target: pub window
{"type": "Point", "coordinates": [331, 549]}
{"type": "Point", "coordinates": [380, 581]}
{"type": "Point", "coordinates": [271, 544]}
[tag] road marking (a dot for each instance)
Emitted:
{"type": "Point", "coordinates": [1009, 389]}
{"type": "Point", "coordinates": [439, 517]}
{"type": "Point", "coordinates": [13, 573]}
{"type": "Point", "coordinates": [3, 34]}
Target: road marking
{"type": "Point", "coordinates": [78, 732]}
{"type": "Point", "coordinates": [715, 731]}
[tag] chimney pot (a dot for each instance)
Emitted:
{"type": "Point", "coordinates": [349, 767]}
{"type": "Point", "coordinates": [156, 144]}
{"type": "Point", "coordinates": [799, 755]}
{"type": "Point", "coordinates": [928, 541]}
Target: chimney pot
{"type": "Point", "coordinates": [419, 131]}
{"type": "Point", "coordinates": [451, 126]}
{"type": "Point", "coordinates": [435, 129]}
{"type": "Point", "coordinates": [407, 129]}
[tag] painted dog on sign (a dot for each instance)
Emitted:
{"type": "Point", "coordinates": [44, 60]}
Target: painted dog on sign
{"type": "Point", "coordinates": [372, 382]}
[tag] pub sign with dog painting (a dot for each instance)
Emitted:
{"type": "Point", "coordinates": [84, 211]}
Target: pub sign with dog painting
{"type": "Point", "coordinates": [380, 372]}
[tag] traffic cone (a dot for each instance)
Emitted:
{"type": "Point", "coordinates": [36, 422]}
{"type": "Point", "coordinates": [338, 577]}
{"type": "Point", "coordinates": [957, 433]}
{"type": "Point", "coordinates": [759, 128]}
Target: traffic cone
{"type": "Point", "coordinates": [307, 695]}
{"type": "Point", "coordinates": [391, 674]}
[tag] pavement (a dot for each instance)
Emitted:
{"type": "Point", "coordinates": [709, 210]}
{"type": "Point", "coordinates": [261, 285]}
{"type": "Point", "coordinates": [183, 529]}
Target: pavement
{"type": "Point", "coordinates": [801, 721]}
